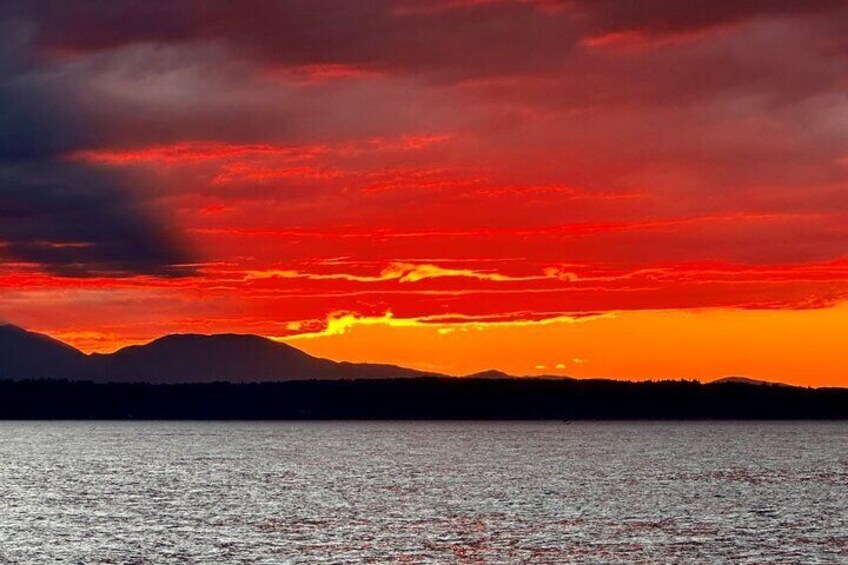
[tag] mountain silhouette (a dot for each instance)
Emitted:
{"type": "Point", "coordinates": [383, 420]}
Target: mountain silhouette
{"type": "Point", "coordinates": [493, 374]}
{"type": "Point", "coordinates": [196, 358]}
{"type": "Point", "coordinates": [744, 380]}
{"type": "Point", "coordinates": [179, 358]}
{"type": "Point", "coordinates": [29, 355]}
{"type": "Point", "coordinates": [249, 377]}
{"type": "Point", "coordinates": [490, 374]}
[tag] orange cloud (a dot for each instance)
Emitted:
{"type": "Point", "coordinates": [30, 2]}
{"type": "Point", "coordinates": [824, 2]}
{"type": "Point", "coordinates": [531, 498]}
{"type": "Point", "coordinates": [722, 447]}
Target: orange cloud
{"type": "Point", "coordinates": [404, 273]}
{"type": "Point", "coordinates": [340, 323]}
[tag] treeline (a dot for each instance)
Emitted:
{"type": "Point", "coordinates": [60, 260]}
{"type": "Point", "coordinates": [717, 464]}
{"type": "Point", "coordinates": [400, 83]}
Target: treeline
{"type": "Point", "coordinates": [421, 398]}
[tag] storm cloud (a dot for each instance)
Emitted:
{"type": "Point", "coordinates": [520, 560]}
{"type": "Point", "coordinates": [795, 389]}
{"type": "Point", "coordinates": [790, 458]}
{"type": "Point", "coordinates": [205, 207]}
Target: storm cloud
{"type": "Point", "coordinates": [68, 218]}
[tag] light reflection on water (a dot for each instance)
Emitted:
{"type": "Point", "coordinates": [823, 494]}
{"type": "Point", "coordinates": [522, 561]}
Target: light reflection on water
{"type": "Point", "coordinates": [421, 492]}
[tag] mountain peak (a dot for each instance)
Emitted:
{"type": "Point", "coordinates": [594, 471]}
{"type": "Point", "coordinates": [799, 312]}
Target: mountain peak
{"type": "Point", "coordinates": [217, 337]}
{"type": "Point", "coordinates": [178, 358]}
{"type": "Point", "coordinates": [11, 331]}
{"type": "Point", "coordinates": [31, 355]}
{"type": "Point", "coordinates": [212, 346]}
{"type": "Point", "coordinates": [744, 380]}
{"type": "Point", "coordinates": [225, 339]}
{"type": "Point", "coordinates": [489, 374]}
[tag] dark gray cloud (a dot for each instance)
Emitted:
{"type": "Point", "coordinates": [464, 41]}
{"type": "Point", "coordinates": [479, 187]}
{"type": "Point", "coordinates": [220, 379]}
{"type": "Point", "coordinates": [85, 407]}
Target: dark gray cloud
{"type": "Point", "coordinates": [492, 38]}
{"type": "Point", "coordinates": [68, 218]}
{"type": "Point", "coordinates": [71, 220]}
{"type": "Point", "coordinates": [466, 38]}
{"type": "Point", "coordinates": [464, 42]}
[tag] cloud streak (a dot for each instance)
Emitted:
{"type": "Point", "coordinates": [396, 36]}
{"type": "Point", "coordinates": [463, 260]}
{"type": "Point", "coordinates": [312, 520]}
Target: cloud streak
{"type": "Point", "coordinates": [340, 323]}
{"type": "Point", "coordinates": [402, 273]}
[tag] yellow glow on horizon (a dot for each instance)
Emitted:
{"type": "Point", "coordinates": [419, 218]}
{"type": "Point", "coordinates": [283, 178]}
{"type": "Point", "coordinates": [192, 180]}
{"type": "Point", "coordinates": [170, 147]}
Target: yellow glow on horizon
{"type": "Point", "coordinates": [804, 347]}
{"type": "Point", "coordinates": [341, 323]}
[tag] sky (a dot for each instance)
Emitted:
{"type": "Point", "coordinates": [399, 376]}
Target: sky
{"type": "Point", "coordinates": [597, 188]}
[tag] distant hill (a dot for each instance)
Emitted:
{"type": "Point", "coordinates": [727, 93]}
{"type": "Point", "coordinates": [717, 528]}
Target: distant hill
{"type": "Point", "coordinates": [195, 358]}
{"type": "Point", "coordinates": [490, 374]}
{"type": "Point", "coordinates": [495, 374]}
{"type": "Point", "coordinates": [744, 381]}
{"type": "Point", "coordinates": [182, 358]}
{"type": "Point", "coordinates": [29, 355]}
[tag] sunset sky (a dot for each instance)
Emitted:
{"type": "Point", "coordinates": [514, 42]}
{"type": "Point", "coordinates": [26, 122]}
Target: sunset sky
{"type": "Point", "coordinates": [629, 189]}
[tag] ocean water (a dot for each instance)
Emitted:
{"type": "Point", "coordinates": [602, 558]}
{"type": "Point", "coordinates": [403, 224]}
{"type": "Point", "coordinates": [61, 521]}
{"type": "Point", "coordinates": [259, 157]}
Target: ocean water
{"type": "Point", "coordinates": [422, 492]}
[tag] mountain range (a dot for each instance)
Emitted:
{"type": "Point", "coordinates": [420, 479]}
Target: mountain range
{"type": "Point", "coordinates": [195, 358]}
{"type": "Point", "coordinates": [229, 376]}
{"type": "Point", "coordinates": [179, 358]}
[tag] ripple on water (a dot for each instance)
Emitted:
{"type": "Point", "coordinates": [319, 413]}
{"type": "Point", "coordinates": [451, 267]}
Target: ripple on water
{"type": "Point", "coordinates": [122, 492]}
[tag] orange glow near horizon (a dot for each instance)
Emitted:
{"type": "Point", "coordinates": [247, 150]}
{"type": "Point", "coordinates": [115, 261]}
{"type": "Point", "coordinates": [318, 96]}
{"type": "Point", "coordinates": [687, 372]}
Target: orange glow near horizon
{"type": "Point", "coordinates": [802, 347]}
{"type": "Point", "coordinates": [793, 347]}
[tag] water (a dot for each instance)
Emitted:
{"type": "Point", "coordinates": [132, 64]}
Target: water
{"type": "Point", "coordinates": [128, 492]}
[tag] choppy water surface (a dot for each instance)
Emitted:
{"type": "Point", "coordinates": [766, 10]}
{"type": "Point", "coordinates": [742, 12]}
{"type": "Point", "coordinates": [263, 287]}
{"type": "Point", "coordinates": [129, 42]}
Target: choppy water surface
{"type": "Point", "coordinates": [113, 492]}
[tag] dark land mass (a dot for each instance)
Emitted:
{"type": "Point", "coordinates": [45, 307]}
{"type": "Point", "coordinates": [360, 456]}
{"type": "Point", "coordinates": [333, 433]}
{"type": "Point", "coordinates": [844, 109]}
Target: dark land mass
{"type": "Point", "coordinates": [180, 358]}
{"type": "Point", "coordinates": [249, 377]}
{"type": "Point", "coordinates": [419, 398]}
{"type": "Point", "coordinates": [29, 355]}
{"type": "Point", "coordinates": [746, 380]}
